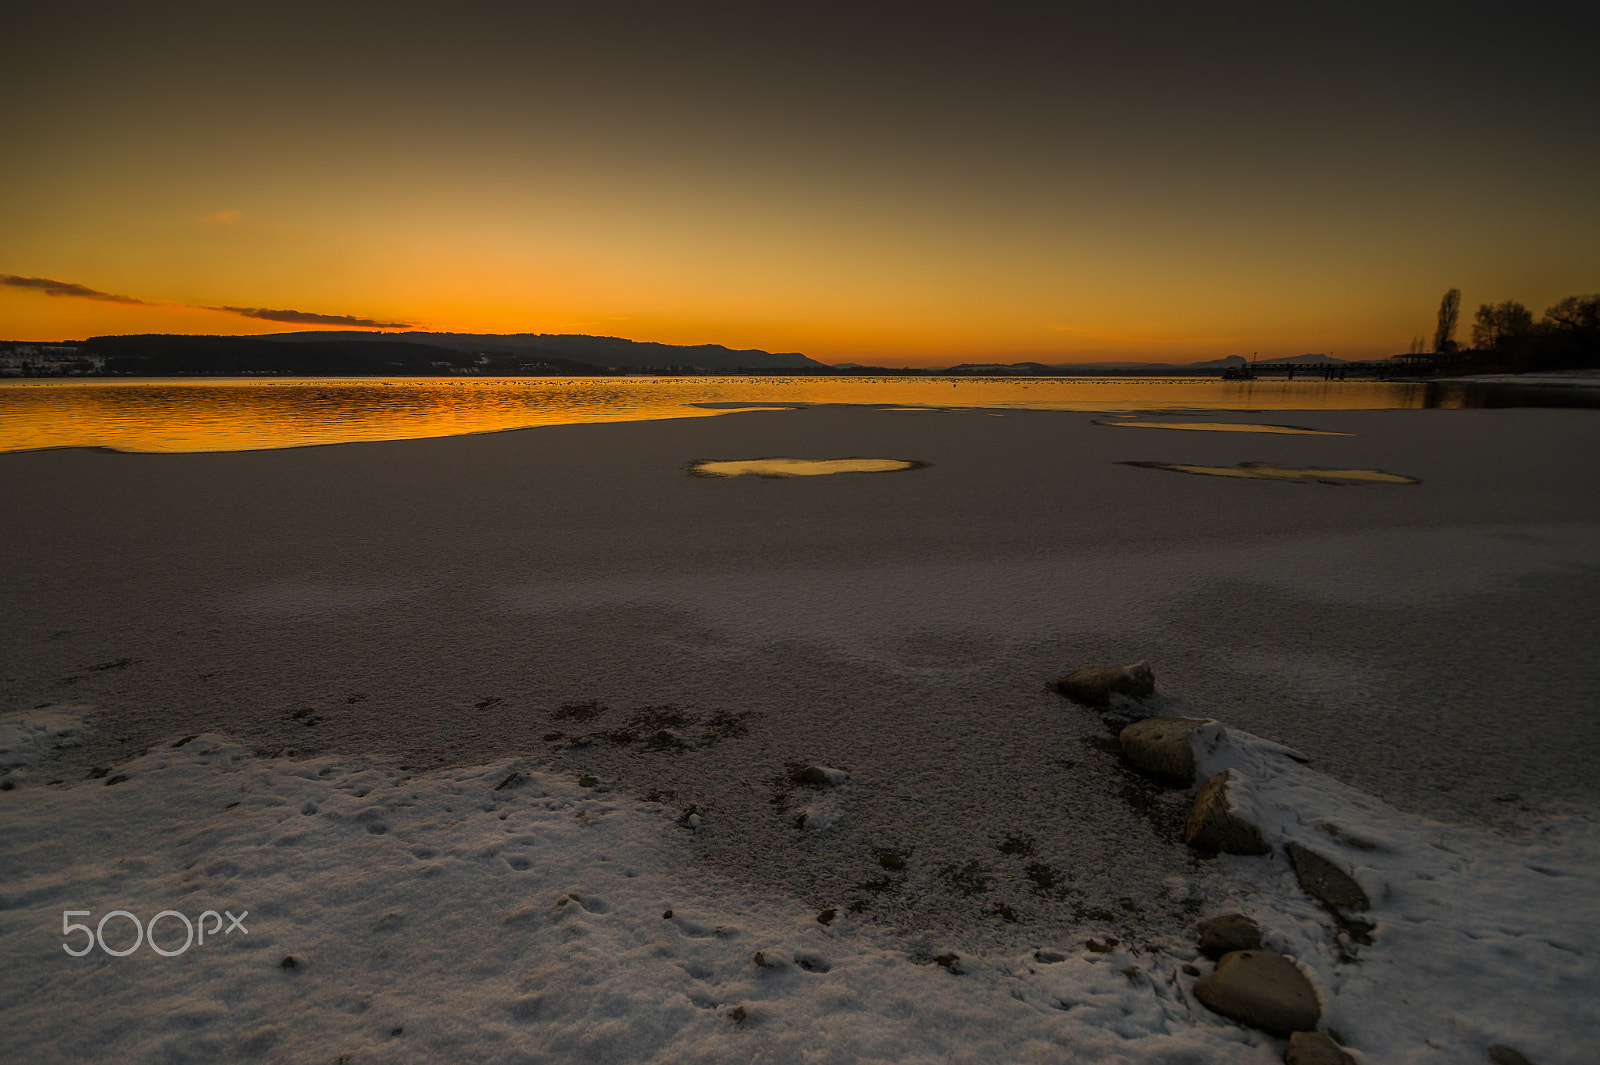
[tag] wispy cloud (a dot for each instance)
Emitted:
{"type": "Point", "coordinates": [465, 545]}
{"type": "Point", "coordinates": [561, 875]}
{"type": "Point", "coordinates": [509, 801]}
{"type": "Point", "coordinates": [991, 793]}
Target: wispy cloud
{"type": "Point", "coordinates": [69, 288]}
{"type": "Point", "coordinates": [76, 291]}
{"type": "Point", "coordinates": [309, 317]}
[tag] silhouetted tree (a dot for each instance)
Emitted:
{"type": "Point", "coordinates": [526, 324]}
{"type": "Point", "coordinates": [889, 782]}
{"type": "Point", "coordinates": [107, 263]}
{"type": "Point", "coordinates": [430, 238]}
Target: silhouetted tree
{"type": "Point", "coordinates": [1501, 325]}
{"type": "Point", "coordinates": [1569, 333]}
{"type": "Point", "coordinates": [1444, 338]}
{"type": "Point", "coordinates": [1575, 314]}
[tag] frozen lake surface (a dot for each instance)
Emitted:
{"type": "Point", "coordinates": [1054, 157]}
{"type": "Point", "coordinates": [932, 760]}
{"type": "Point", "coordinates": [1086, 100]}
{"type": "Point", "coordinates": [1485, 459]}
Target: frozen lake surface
{"type": "Point", "coordinates": [459, 721]}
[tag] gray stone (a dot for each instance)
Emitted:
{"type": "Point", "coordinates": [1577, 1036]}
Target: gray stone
{"type": "Point", "coordinates": [1095, 685]}
{"type": "Point", "coordinates": [1213, 826]}
{"type": "Point", "coordinates": [1314, 1048]}
{"type": "Point", "coordinates": [1326, 882]}
{"type": "Point", "coordinates": [1504, 1055]}
{"type": "Point", "coordinates": [1160, 746]}
{"type": "Point", "coordinates": [1228, 933]}
{"type": "Point", "coordinates": [1265, 991]}
{"type": "Point", "coordinates": [819, 776]}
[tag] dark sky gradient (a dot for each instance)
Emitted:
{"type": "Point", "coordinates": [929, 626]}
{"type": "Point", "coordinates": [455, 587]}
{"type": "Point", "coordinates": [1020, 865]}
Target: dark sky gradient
{"type": "Point", "coordinates": [891, 183]}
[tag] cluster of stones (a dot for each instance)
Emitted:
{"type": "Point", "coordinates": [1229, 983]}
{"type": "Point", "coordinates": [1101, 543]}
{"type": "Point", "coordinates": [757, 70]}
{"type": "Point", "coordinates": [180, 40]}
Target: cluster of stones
{"type": "Point", "coordinates": [1263, 990]}
{"type": "Point", "coordinates": [1249, 985]}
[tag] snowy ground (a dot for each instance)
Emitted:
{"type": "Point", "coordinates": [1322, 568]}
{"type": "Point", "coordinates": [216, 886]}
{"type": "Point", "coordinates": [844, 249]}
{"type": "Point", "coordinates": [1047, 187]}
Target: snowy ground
{"type": "Point", "coordinates": [453, 915]}
{"type": "Point", "coordinates": [460, 786]}
{"type": "Point", "coordinates": [1549, 379]}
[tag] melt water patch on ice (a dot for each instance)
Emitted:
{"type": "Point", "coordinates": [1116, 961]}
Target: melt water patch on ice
{"type": "Point", "coordinates": [1479, 938]}
{"type": "Point", "coordinates": [1271, 471]}
{"type": "Point", "coordinates": [783, 467]}
{"type": "Point", "coordinates": [1226, 427]}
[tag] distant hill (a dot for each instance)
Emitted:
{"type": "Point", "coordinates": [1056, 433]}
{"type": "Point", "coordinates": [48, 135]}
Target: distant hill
{"type": "Point", "coordinates": [574, 347]}
{"type": "Point", "coordinates": [1130, 369]}
{"type": "Point", "coordinates": [1287, 360]}
{"type": "Point", "coordinates": [325, 353]}
{"type": "Point", "coordinates": [373, 354]}
{"type": "Point", "coordinates": [163, 355]}
{"type": "Point", "coordinates": [1306, 360]}
{"type": "Point", "coordinates": [1069, 369]}
{"type": "Point", "coordinates": [1082, 369]}
{"type": "Point", "coordinates": [1234, 361]}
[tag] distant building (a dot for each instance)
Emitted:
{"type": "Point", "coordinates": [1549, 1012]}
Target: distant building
{"type": "Point", "coordinates": [47, 360]}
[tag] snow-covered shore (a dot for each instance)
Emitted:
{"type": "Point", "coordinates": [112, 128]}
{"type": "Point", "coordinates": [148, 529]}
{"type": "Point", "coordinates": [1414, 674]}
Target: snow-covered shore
{"type": "Point", "coordinates": [646, 655]}
{"type": "Point", "coordinates": [1547, 379]}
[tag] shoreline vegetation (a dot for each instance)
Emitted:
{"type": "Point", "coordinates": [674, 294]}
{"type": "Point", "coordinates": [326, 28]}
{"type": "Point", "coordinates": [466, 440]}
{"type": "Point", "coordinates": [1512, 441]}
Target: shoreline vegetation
{"type": "Point", "coordinates": [1506, 339]}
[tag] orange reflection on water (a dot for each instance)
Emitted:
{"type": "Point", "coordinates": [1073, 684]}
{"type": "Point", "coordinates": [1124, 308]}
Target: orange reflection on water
{"type": "Point", "coordinates": [798, 467]}
{"type": "Point", "coordinates": [1269, 471]}
{"type": "Point", "coordinates": [1228, 427]}
{"type": "Point", "coordinates": [230, 414]}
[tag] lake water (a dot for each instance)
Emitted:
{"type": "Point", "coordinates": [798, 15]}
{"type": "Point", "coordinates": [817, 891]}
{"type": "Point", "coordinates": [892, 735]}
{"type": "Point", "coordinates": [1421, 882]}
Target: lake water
{"type": "Point", "coordinates": [231, 414]}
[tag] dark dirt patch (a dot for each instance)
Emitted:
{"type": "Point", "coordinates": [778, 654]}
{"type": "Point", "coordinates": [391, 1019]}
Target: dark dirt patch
{"type": "Point", "coordinates": [969, 879]}
{"type": "Point", "coordinates": [579, 712]}
{"type": "Point", "coordinates": [1020, 846]}
{"type": "Point", "coordinates": [1042, 876]}
{"type": "Point", "coordinates": [891, 860]}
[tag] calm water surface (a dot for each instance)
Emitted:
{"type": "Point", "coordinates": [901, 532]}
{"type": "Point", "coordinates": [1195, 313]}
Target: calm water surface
{"type": "Point", "coordinates": [231, 414]}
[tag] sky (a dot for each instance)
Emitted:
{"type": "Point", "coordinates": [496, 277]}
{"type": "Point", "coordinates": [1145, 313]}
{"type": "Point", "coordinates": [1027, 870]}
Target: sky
{"type": "Point", "coordinates": [893, 184]}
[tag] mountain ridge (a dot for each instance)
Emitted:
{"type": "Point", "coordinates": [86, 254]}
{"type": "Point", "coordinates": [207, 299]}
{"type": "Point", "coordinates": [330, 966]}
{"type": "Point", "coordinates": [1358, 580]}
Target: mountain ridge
{"type": "Point", "coordinates": [603, 351]}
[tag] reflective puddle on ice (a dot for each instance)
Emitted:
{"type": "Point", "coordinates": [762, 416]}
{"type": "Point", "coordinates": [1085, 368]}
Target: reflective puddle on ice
{"type": "Point", "coordinates": [799, 467]}
{"type": "Point", "coordinates": [1267, 471]}
{"type": "Point", "coordinates": [1227, 427]}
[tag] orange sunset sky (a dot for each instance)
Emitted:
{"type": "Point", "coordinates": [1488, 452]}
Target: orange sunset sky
{"type": "Point", "coordinates": [894, 184]}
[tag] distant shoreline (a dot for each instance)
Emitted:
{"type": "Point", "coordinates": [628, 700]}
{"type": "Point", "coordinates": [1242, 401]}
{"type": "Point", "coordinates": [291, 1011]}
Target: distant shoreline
{"type": "Point", "coordinates": [533, 354]}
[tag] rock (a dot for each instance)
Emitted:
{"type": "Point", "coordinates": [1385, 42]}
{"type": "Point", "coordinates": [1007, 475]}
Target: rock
{"type": "Point", "coordinates": [1326, 882]}
{"type": "Point", "coordinates": [1214, 824]}
{"type": "Point", "coordinates": [1504, 1055]}
{"type": "Point", "coordinates": [819, 776]}
{"type": "Point", "coordinates": [1228, 933]}
{"type": "Point", "coordinates": [1265, 991]}
{"type": "Point", "coordinates": [770, 960]}
{"type": "Point", "coordinates": [1160, 746]}
{"type": "Point", "coordinates": [1095, 685]}
{"type": "Point", "coordinates": [1314, 1048]}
